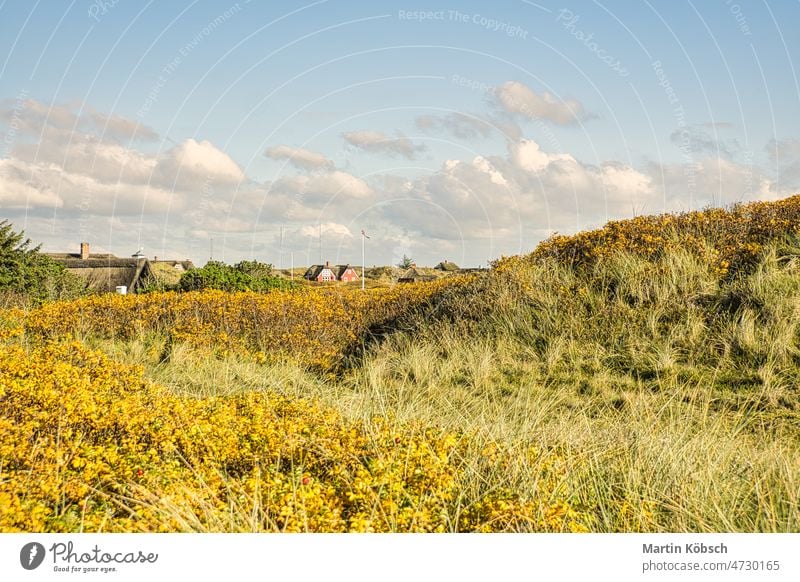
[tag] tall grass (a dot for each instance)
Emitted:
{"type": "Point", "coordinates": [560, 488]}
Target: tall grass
{"type": "Point", "coordinates": [670, 393]}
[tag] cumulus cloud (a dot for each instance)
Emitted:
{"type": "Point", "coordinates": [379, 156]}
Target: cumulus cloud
{"type": "Point", "coordinates": [529, 156]}
{"type": "Point", "coordinates": [45, 186]}
{"type": "Point", "coordinates": [379, 142]}
{"type": "Point", "coordinates": [324, 188]}
{"type": "Point", "coordinates": [81, 154]}
{"type": "Point", "coordinates": [75, 162]}
{"type": "Point", "coordinates": [505, 201]}
{"type": "Point", "coordinates": [191, 164]}
{"type": "Point", "coordinates": [17, 191]}
{"type": "Point", "coordinates": [624, 184]}
{"type": "Point", "coordinates": [327, 228]}
{"type": "Point", "coordinates": [187, 165]}
{"type": "Point", "coordinates": [339, 245]}
{"type": "Point", "coordinates": [300, 158]}
{"type": "Point", "coordinates": [518, 99]}
{"type": "Point", "coordinates": [468, 209]}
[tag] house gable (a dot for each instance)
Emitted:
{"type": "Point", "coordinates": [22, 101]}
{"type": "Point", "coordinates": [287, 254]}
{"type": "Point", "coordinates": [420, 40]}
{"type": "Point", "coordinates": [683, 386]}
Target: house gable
{"type": "Point", "coordinates": [320, 273]}
{"type": "Point", "coordinates": [346, 273]}
{"type": "Point", "coordinates": [328, 272]}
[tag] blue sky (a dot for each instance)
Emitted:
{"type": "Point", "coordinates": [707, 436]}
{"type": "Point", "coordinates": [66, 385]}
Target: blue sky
{"type": "Point", "coordinates": [446, 130]}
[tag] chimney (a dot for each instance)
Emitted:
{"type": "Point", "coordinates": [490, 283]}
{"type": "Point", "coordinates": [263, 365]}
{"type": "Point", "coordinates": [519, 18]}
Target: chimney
{"type": "Point", "coordinates": [84, 251]}
{"type": "Point", "coordinates": [327, 263]}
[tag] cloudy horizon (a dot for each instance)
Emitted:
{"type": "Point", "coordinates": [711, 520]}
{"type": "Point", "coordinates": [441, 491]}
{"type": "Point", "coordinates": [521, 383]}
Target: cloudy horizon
{"type": "Point", "coordinates": [460, 132]}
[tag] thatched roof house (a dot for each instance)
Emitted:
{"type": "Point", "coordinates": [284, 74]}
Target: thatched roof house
{"type": "Point", "coordinates": [104, 272]}
{"type": "Point", "coordinates": [447, 266]}
{"type": "Point", "coordinates": [320, 273]}
{"type": "Point", "coordinates": [414, 275]}
{"type": "Point", "coordinates": [345, 273]}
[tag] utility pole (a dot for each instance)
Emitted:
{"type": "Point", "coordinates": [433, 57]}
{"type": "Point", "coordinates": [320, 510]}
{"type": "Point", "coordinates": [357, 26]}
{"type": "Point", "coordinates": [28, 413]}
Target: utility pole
{"type": "Point", "coordinates": [280, 251]}
{"type": "Point", "coordinates": [363, 262]}
{"type": "Point", "coordinates": [211, 248]}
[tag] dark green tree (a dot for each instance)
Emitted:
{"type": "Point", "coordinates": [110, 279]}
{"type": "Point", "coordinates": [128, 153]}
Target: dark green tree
{"type": "Point", "coordinates": [405, 262]}
{"type": "Point", "coordinates": [30, 275]}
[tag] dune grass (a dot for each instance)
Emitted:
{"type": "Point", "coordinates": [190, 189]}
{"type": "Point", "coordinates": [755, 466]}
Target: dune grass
{"type": "Point", "coordinates": [670, 394]}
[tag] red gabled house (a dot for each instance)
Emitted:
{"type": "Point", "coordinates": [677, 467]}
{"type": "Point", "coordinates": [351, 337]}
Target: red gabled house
{"type": "Point", "coordinates": [320, 273]}
{"type": "Point", "coordinates": [328, 272]}
{"type": "Point", "coordinates": [346, 273]}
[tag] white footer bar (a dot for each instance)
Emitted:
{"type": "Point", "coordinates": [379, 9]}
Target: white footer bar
{"type": "Point", "coordinates": [407, 557]}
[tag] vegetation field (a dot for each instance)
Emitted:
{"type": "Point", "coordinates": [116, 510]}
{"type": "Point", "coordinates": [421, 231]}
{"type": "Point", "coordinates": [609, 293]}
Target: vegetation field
{"type": "Point", "coordinates": [642, 377]}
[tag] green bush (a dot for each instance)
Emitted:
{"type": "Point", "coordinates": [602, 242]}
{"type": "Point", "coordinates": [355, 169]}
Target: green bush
{"type": "Point", "coordinates": [243, 276]}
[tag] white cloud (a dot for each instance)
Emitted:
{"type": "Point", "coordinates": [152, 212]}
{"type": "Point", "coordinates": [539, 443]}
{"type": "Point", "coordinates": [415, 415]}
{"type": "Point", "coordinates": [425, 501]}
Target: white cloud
{"type": "Point", "coordinates": [379, 142]}
{"type": "Point", "coordinates": [527, 155]}
{"type": "Point", "coordinates": [31, 116]}
{"type": "Point", "coordinates": [34, 118]}
{"type": "Point", "coordinates": [486, 166]}
{"type": "Point", "coordinates": [519, 99]}
{"type": "Point", "coordinates": [619, 179]}
{"type": "Point", "coordinates": [191, 164]}
{"type": "Point", "coordinates": [82, 154]}
{"type": "Point", "coordinates": [328, 228]}
{"type": "Point", "coordinates": [477, 207]}
{"type": "Point", "coordinates": [74, 161]}
{"type": "Point", "coordinates": [299, 157]}
{"type": "Point", "coordinates": [17, 192]}
{"type": "Point", "coordinates": [325, 187]}
{"type": "Point", "coordinates": [491, 198]}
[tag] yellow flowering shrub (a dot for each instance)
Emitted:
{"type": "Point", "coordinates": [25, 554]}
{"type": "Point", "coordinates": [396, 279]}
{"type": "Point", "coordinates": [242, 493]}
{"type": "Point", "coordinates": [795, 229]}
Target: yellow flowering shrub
{"type": "Point", "coordinates": [729, 239]}
{"type": "Point", "coordinates": [309, 326]}
{"type": "Point", "coordinates": [86, 444]}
